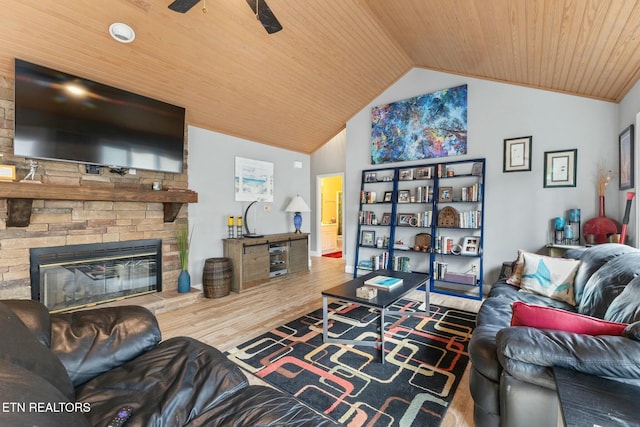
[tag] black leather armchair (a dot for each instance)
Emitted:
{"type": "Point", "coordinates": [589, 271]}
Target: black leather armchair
{"type": "Point", "coordinates": [511, 379]}
{"type": "Point", "coordinates": [80, 368]}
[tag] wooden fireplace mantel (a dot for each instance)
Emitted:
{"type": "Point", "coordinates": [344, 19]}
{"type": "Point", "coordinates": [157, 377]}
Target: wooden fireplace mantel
{"type": "Point", "coordinates": [20, 197]}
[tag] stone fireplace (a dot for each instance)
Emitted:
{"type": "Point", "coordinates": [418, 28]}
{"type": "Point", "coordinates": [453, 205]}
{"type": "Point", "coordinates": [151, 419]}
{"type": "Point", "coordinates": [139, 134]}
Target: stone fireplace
{"type": "Point", "coordinates": [76, 276]}
{"type": "Point", "coordinates": [76, 208]}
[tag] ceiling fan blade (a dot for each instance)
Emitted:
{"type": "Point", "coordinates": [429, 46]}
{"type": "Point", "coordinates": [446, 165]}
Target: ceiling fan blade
{"type": "Point", "coordinates": [265, 16]}
{"type": "Point", "coordinates": [182, 6]}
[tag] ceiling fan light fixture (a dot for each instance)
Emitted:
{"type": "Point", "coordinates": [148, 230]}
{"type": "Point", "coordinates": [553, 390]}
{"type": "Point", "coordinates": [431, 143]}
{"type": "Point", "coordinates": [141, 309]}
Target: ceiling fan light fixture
{"type": "Point", "coordinates": [122, 33]}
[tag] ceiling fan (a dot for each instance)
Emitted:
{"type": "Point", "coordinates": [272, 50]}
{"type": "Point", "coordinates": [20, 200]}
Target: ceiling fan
{"type": "Point", "coordinates": [259, 7]}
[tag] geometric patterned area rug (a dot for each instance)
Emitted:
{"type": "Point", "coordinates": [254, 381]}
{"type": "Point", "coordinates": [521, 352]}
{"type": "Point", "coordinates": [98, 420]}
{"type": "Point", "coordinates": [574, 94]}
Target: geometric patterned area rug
{"type": "Point", "coordinates": [424, 361]}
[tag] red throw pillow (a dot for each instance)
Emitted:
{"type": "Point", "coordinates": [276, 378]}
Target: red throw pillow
{"type": "Point", "coordinates": [541, 317]}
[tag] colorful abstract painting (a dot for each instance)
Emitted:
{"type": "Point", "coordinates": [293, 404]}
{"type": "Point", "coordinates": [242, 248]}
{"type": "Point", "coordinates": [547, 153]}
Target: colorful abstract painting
{"type": "Point", "coordinates": [424, 127]}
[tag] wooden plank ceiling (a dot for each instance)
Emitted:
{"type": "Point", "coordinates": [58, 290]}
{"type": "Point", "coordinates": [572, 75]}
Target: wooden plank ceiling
{"type": "Point", "coordinates": [296, 89]}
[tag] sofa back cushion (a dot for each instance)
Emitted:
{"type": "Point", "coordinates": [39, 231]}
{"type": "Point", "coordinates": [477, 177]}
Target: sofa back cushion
{"type": "Point", "coordinates": [607, 283]}
{"type": "Point", "coordinates": [591, 260]}
{"type": "Point", "coordinates": [626, 306]}
{"type": "Point", "coordinates": [21, 348]}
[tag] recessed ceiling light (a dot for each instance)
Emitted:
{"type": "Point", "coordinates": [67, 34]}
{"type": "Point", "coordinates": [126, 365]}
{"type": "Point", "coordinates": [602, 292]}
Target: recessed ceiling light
{"type": "Point", "coordinates": [122, 32]}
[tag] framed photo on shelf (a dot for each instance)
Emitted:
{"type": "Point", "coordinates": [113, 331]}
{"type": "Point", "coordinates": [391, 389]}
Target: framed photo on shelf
{"type": "Point", "coordinates": [470, 245]}
{"type": "Point", "coordinates": [625, 158]}
{"type": "Point", "coordinates": [371, 177]}
{"type": "Point", "coordinates": [425, 172]}
{"type": "Point", "coordinates": [406, 174]}
{"type": "Point", "coordinates": [386, 218]}
{"type": "Point", "coordinates": [560, 168]}
{"type": "Point", "coordinates": [517, 154]}
{"type": "Point", "coordinates": [388, 196]}
{"type": "Point", "coordinates": [445, 194]}
{"type": "Point", "coordinates": [7, 172]}
{"type": "Point", "coordinates": [404, 196]}
{"type": "Point", "coordinates": [405, 219]}
{"type": "Point", "coordinates": [368, 238]}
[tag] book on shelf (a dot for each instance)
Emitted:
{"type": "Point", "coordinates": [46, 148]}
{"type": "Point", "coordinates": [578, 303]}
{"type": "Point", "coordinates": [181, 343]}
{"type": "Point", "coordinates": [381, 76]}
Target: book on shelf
{"type": "Point", "coordinates": [384, 282]}
{"type": "Point", "coordinates": [367, 197]}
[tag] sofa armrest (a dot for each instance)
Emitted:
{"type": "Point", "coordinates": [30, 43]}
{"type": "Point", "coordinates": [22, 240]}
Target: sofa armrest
{"type": "Point", "coordinates": [94, 341]}
{"type": "Point", "coordinates": [528, 354]}
{"type": "Point", "coordinates": [35, 317]}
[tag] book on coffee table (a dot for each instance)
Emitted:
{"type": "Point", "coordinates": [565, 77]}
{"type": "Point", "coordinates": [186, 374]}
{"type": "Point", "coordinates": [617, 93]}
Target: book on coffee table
{"type": "Point", "coordinates": [383, 282]}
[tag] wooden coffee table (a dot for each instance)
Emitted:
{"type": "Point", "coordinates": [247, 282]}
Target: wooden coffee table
{"type": "Point", "coordinates": [384, 299]}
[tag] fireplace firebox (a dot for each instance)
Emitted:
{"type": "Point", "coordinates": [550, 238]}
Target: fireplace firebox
{"type": "Point", "coordinates": [75, 276]}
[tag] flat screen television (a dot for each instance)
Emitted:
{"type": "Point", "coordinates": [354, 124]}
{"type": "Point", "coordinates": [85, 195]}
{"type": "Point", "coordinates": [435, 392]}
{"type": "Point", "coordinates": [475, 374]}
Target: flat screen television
{"type": "Point", "coordinates": [59, 116]}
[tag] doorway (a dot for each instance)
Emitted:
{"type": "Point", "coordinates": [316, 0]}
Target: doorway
{"type": "Point", "coordinates": [331, 221]}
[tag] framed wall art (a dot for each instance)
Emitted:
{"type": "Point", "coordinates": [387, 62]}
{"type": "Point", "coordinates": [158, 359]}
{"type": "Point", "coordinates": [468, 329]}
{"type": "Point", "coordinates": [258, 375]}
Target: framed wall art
{"type": "Point", "coordinates": [560, 168]}
{"type": "Point", "coordinates": [253, 180]}
{"type": "Point", "coordinates": [517, 154]}
{"type": "Point", "coordinates": [625, 158]}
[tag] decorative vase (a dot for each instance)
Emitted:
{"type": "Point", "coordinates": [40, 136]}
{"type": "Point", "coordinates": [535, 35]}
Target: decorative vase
{"type": "Point", "coordinates": [184, 282]}
{"type": "Point", "coordinates": [597, 230]}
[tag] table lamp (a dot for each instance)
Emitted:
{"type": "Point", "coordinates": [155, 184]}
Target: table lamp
{"type": "Point", "coordinates": [297, 205]}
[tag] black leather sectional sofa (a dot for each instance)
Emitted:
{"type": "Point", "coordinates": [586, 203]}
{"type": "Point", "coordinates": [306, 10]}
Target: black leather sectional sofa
{"type": "Point", "coordinates": [511, 379]}
{"type": "Point", "coordinates": [83, 368]}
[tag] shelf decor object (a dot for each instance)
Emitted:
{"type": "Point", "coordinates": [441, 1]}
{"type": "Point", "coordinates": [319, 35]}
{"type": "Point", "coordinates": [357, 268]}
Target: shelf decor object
{"type": "Point", "coordinates": [297, 205]}
{"type": "Point", "coordinates": [183, 241]}
{"type": "Point", "coordinates": [597, 230]}
{"type": "Point", "coordinates": [248, 233]}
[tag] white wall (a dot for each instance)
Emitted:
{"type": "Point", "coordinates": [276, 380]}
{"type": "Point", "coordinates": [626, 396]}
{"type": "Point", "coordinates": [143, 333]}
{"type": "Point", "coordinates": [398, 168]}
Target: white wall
{"type": "Point", "coordinates": [518, 210]}
{"type": "Point", "coordinates": [211, 171]}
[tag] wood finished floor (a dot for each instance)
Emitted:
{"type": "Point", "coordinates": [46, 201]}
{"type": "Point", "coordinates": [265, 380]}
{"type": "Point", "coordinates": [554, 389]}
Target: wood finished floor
{"type": "Point", "coordinates": [228, 321]}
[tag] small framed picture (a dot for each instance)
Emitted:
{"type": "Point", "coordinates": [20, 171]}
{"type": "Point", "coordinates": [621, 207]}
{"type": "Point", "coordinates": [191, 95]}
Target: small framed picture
{"type": "Point", "coordinates": [404, 196]}
{"type": "Point", "coordinates": [517, 154]}
{"type": "Point", "coordinates": [406, 174]}
{"type": "Point", "coordinates": [388, 196]}
{"type": "Point", "coordinates": [368, 238]}
{"type": "Point", "coordinates": [404, 219]}
{"type": "Point", "coordinates": [7, 173]}
{"type": "Point", "coordinates": [470, 245]}
{"type": "Point", "coordinates": [386, 218]}
{"type": "Point", "coordinates": [425, 172]}
{"type": "Point", "coordinates": [445, 194]}
{"type": "Point", "coordinates": [476, 169]}
{"type": "Point", "coordinates": [625, 158]}
{"type": "Point", "coordinates": [371, 177]}
{"type": "Point", "coordinates": [560, 168]}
